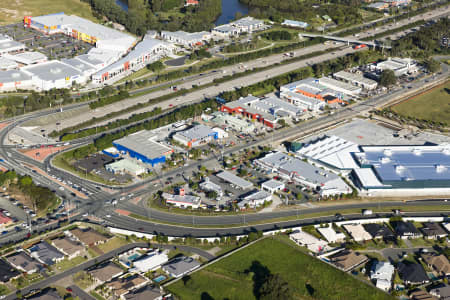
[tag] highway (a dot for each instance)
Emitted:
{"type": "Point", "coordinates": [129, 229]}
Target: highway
{"type": "Point", "coordinates": [208, 77]}
{"type": "Point", "coordinates": [95, 204]}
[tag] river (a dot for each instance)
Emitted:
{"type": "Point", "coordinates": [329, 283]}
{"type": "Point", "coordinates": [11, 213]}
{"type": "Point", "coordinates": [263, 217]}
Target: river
{"type": "Point", "coordinates": [123, 4]}
{"type": "Point", "coordinates": [229, 10]}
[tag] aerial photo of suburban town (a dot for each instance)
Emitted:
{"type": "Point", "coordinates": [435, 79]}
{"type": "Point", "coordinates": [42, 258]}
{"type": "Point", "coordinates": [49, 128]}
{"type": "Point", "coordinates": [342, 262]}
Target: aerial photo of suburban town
{"type": "Point", "coordinates": [225, 149]}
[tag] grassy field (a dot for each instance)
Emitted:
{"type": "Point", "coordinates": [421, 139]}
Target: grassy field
{"type": "Point", "coordinates": [237, 276]}
{"type": "Point", "coordinates": [13, 11]}
{"type": "Point", "coordinates": [433, 105]}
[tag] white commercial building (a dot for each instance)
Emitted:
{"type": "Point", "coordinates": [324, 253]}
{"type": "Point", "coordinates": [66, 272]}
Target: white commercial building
{"type": "Point", "coordinates": [272, 186]}
{"type": "Point", "coordinates": [356, 79]}
{"type": "Point", "coordinates": [357, 232]}
{"type": "Point", "coordinates": [7, 64]}
{"type": "Point", "coordinates": [265, 110]}
{"type": "Point", "coordinates": [292, 168]}
{"type": "Point", "coordinates": [331, 235]}
{"type": "Point", "coordinates": [382, 273]}
{"type": "Point", "coordinates": [182, 201]}
{"type": "Point", "coordinates": [255, 199]}
{"type": "Point", "coordinates": [11, 47]}
{"type": "Point", "coordinates": [208, 185]}
{"type": "Point", "coordinates": [234, 180]}
{"type": "Point", "coordinates": [13, 80]}
{"type": "Point", "coordinates": [236, 123]}
{"type": "Point", "coordinates": [186, 39]}
{"type": "Point", "coordinates": [126, 166]}
{"type": "Point", "coordinates": [342, 87]}
{"type": "Point", "coordinates": [195, 136]}
{"type": "Point", "coordinates": [330, 151]}
{"type": "Point", "coordinates": [247, 24]}
{"type": "Point", "coordinates": [403, 167]}
{"type": "Point", "coordinates": [400, 66]}
{"type": "Point", "coordinates": [54, 75]}
{"type": "Point", "coordinates": [28, 58]}
{"type": "Point", "coordinates": [150, 262]}
{"type": "Point", "coordinates": [103, 37]}
{"type": "Point", "coordinates": [309, 241]}
{"type": "Point", "coordinates": [302, 101]}
{"type": "Point", "coordinates": [145, 52]}
{"type": "Point", "coordinates": [226, 31]}
{"type": "Point", "coordinates": [292, 23]}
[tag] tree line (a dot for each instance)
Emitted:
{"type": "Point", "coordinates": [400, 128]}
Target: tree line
{"type": "Point", "coordinates": [341, 12]}
{"type": "Point", "coordinates": [40, 196]}
{"type": "Point", "coordinates": [168, 15]}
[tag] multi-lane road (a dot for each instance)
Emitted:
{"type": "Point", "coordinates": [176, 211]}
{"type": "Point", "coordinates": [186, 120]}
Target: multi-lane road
{"type": "Point", "coordinates": [208, 77]}
{"type": "Point", "coordinates": [95, 203]}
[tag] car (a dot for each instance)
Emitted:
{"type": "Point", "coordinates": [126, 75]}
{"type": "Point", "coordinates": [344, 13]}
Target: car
{"type": "Point", "coordinates": [339, 217]}
{"type": "Point", "coordinates": [69, 289]}
{"type": "Point", "coordinates": [108, 216]}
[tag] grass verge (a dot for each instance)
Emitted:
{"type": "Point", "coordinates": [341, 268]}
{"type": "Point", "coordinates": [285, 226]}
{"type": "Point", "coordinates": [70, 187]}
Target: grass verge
{"type": "Point", "coordinates": [303, 216]}
{"type": "Point", "coordinates": [432, 105]}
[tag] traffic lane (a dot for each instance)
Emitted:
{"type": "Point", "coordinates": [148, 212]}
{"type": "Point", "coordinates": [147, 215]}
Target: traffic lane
{"type": "Point", "coordinates": [257, 217]}
{"type": "Point", "coordinates": [48, 281]}
{"type": "Point", "coordinates": [186, 231]}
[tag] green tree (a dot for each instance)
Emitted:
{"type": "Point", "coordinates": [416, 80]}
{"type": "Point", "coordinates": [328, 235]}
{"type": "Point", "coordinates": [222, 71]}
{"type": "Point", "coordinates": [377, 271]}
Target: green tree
{"type": "Point", "coordinates": [432, 65]}
{"type": "Point", "coordinates": [275, 288]}
{"type": "Point", "coordinates": [388, 78]}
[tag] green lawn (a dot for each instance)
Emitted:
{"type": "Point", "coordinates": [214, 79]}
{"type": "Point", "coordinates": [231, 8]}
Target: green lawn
{"type": "Point", "coordinates": [112, 244]}
{"type": "Point", "coordinates": [4, 290]}
{"type": "Point", "coordinates": [13, 11]}
{"type": "Point", "coordinates": [433, 105]}
{"type": "Point", "coordinates": [234, 277]}
{"type": "Point", "coordinates": [68, 264]}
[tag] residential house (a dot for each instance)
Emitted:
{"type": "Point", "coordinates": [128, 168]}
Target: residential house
{"type": "Point", "coordinates": [382, 273]}
{"type": "Point", "coordinates": [145, 293]}
{"type": "Point", "coordinates": [432, 230]}
{"type": "Point", "coordinates": [7, 271]}
{"type": "Point", "coordinates": [412, 274]}
{"type": "Point", "coordinates": [379, 231]}
{"type": "Point", "coordinates": [124, 284]}
{"type": "Point", "coordinates": [180, 266]}
{"type": "Point", "coordinates": [150, 262]}
{"type": "Point", "coordinates": [406, 230]}
{"type": "Point", "coordinates": [48, 294]}
{"type": "Point", "coordinates": [106, 272]}
{"type": "Point", "coordinates": [88, 236]}
{"type": "Point", "coordinates": [439, 263]}
{"type": "Point", "coordinates": [68, 247]}
{"type": "Point", "coordinates": [23, 262]}
{"type": "Point", "coordinates": [421, 295]}
{"type": "Point", "coordinates": [307, 240]}
{"type": "Point", "coordinates": [357, 232]}
{"type": "Point", "coordinates": [46, 253]}
{"type": "Point", "coordinates": [441, 292]}
{"type": "Point", "coordinates": [347, 260]}
{"type": "Point", "coordinates": [331, 235]}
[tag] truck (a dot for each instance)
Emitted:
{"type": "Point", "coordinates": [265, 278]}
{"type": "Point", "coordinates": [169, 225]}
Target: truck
{"type": "Point", "coordinates": [367, 212]}
{"type": "Point", "coordinates": [359, 46]}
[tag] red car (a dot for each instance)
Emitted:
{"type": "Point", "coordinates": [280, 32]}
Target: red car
{"type": "Point", "coordinates": [170, 105]}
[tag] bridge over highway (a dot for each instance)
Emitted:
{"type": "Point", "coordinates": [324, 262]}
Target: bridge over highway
{"type": "Point", "coordinates": [345, 40]}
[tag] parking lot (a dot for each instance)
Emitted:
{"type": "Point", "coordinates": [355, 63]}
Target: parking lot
{"type": "Point", "coordinates": [57, 46]}
{"type": "Point", "coordinates": [366, 132]}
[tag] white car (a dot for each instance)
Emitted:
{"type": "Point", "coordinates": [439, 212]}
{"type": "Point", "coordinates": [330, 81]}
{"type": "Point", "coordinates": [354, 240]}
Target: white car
{"type": "Point", "coordinates": [108, 216]}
